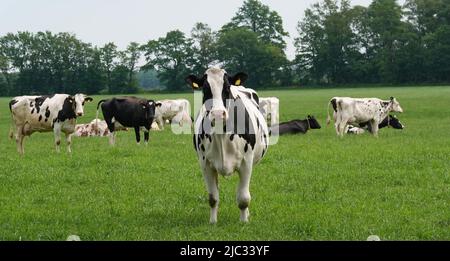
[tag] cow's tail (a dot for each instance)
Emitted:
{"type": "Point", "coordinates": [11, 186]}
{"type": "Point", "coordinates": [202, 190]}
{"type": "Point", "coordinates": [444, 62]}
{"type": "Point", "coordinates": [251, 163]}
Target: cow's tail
{"type": "Point", "coordinates": [96, 116]}
{"type": "Point", "coordinates": [11, 127]}
{"type": "Point", "coordinates": [332, 101]}
{"type": "Point", "coordinates": [189, 112]}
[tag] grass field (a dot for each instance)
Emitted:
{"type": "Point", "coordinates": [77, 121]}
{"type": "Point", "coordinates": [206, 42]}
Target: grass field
{"type": "Point", "coordinates": [308, 187]}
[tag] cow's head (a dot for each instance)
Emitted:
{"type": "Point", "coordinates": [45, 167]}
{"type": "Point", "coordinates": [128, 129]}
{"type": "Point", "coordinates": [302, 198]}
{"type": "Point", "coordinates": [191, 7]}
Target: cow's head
{"type": "Point", "coordinates": [395, 123]}
{"type": "Point", "coordinates": [149, 107]}
{"type": "Point", "coordinates": [80, 99]}
{"type": "Point", "coordinates": [313, 123]}
{"type": "Point", "coordinates": [395, 105]}
{"type": "Point", "coordinates": [215, 85]}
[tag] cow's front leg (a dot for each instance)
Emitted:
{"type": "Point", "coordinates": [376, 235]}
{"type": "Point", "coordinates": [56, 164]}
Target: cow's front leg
{"type": "Point", "coordinates": [138, 135]}
{"type": "Point", "coordinates": [69, 142]}
{"type": "Point", "coordinates": [212, 184]}
{"type": "Point", "coordinates": [146, 135]}
{"type": "Point", "coordinates": [57, 133]}
{"type": "Point", "coordinates": [374, 128]}
{"type": "Point", "coordinates": [243, 193]}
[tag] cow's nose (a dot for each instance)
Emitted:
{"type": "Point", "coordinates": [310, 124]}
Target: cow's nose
{"type": "Point", "coordinates": [219, 114]}
{"type": "Point", "coordinates": [79, 114]}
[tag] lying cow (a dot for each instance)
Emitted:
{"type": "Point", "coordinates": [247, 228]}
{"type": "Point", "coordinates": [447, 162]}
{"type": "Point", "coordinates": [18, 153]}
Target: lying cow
{"type": "Point", "coordinates": [176, 111]}
{"type": "Point", "coordinates": [95, 128]}
{"type": "Point", "coordinates": [391, 121]}
{"type": "Point", "coordinates": [223, 146]}
{"type": "Point", "coordinates": [358, 110]}
{"type": "Point", "coordinates": [269, 107]}
{"type": "Point", "coordinates": [295, 126]}
{"type": "Point", "coordinates": [57, 113]}
{"type": "Point", "coordinates": [129, 112]}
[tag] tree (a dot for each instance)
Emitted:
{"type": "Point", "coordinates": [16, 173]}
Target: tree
{"type": "Point", "coordinates": [241, 50]}
{"type": "Point", "coordinates": [258, 18]}
{"type": "Point", "coordinates": [204, 47]}
{"type": "Point", "coordinates": [326, 46]}
{"type": "Point", "coordinates": [385, 20]}
{"type": "Point", "coordinates": [108, 58]}
{"type": "Point", "coordinates": [129, 59]}
{"type": "Point", "coordinates": [172, 57]}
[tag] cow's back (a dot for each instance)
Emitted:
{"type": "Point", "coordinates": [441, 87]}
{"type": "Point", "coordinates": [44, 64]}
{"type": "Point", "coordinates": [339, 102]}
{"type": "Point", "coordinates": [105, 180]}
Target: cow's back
{"type": "Point", "coordinates": [127, 111]}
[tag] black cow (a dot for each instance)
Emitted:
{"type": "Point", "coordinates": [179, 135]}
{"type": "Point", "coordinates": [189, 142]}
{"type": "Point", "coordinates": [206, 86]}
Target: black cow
{"type": "Point", "coordinates": [295, 126]}
{"type": "Point", "coordinates": [390, 120]}
{"type": "Point", "coordinates": [129, 112]}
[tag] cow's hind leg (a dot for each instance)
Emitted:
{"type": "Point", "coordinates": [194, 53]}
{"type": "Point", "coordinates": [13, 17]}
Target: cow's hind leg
{"type": "Point", "coordinates": [19, 141]}
{"type": "Point", "coordinates": [112, 138]}
{"type": "Point", "coordinates": [243, 193]}
{"type": "Point", "coordinates": [342, 127]}
{"type": "Point", "coordinates": [111, 128]}
{"type": "Point", "coordinates": [212, 184]}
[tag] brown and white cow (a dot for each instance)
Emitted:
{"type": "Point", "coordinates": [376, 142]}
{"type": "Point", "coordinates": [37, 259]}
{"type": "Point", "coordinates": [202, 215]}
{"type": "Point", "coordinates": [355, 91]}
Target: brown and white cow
{"type": "Point", "coordinates": [359, 110]}
{"type": "Point", "coordinates": [230, 135]}
{"type": "Point", "coordinates": [95, 128]}
{"type": "Point", "coordinates": [57, 113]}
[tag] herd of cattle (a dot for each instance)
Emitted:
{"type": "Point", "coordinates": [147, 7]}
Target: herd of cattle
{"type": "Point", "coordinates": [223, 145]}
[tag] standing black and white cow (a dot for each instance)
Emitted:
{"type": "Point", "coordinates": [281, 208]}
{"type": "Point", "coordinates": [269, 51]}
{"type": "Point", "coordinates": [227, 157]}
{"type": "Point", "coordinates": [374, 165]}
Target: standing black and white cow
{"type": "Point", "coordinates": [295, 126]}
{"type": "Point", "coordinates": [358, 110]}
{"type": "Point", "coordinates": [230, 134]}
{"type": "Point", "coordinates": [131, 112]}
{"type": "Point", "coordinates": [55, 113]}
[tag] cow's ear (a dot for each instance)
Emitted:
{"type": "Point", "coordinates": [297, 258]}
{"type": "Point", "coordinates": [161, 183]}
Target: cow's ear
{"type": "Point", "coordinates": [158, 104]}
{"type": "Point", "coordinates": [238, 79]}
{"type": "Point", "coordinates": [392, 98]}
{"type": "Point", "coordinates": [194, 81]}
{"type": "Point", "coordinates": [88, 99]}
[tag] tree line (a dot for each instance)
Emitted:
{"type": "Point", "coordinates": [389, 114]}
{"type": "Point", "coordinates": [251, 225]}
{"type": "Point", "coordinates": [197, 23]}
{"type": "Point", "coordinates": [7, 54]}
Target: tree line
{"type": "Point", "coordinates": [337, 44]}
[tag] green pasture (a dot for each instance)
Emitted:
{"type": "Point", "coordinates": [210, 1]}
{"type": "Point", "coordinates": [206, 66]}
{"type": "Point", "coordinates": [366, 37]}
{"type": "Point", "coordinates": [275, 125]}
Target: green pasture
{"type": "Point", "coordinates": [308, 187]}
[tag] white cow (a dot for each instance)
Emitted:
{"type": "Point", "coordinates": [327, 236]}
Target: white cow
{"type": "Point", "coordinates": [233, 109]}
{"type": "Point", "coordinates": [55, 113]}
{"type": "Point", "coordinates": [269, 107]}
{"type": "Point", "coordinates": [360, 110]}
{"type": "Point", "coordinates": [177, 111]}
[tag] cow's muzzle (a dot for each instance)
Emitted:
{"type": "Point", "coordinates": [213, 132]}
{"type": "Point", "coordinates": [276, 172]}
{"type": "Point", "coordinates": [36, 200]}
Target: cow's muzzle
{"type": "Point", "coordinates": [218, 115]}
{"type": "Point", "coordinates": [79, 114]}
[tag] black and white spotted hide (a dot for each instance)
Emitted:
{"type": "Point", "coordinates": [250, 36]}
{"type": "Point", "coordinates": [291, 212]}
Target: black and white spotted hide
{"type": "Point", "coordinates": [230, 135]}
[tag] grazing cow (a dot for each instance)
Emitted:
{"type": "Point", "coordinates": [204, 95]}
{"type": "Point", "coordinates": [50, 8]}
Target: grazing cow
{"type": "Point", "coordinates": [354, 111]}
{"type": "Point", "coordinates": [95, 128]}
{"type": "Point", "coordinates": [269, 107]}
{"type": "Point", "coordinates": [390, 121]}
{"type": "Point", "coordinates": [295, 126]}
{"type": "Point", "coordinates": [57, 113]}
{"type": "Point", "coordinates": [231, 134]}
{"type": "Point", "coordinates": [129, 112]}
{"type": "Point", "coordinates": [178, 111]}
